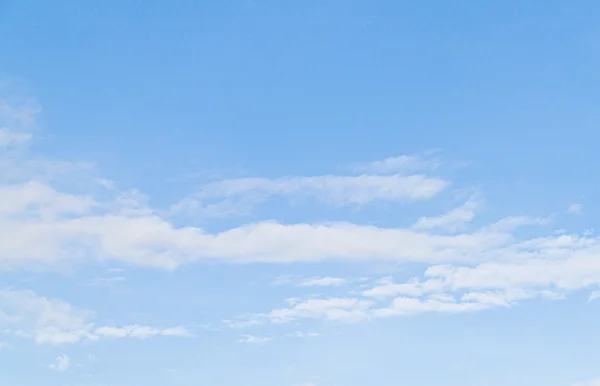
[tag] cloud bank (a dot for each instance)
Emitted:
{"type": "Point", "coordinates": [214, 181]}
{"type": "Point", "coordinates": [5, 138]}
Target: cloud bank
{"type": "Point", "coordinates": [469, 267]}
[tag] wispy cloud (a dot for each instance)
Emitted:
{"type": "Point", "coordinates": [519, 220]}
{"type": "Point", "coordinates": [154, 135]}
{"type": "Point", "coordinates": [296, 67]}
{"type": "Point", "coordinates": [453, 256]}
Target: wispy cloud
{"type": "Point", "coordinates": [401, 164]}
{"type": "Point", "coordinates": [17, 122]}
{"type": "Point", "coordinates": [239, 196]}
{"type": "Point", "coordinates": [54, 321]}
{"type": "Point", "coordinates": [19, 114]}
{"type": "Point", "coordinates": [334, 309]}
{"type": "Point", "coordinates": [9, 138]}
{"type": "Point", "coordinates": [121, 226]}
{"type": "Point", "coordinates": [323, 282]}
{"type": "Point", "coordinates": [282, 280]}
{"type": "Point", "coordinates": [300, 334]}
{"type": "Point", "coordinates": [318, 281]}
{"type": "Point", "coordinates": [62, 364]}
{"type": "Point", "coordinates": [451, 220]}
{"type": "Point", "coordinates": [594, 295]}
{"type": "Point", "coordinates": [487, 266]}
{"type": "Point", "coordinates": [140, 332]}
{"type": "Point", "coordinates": [252, 339]}
{"type": "Point", "coordinates": [411, 301]}
{"type": "Point", "coordinates": [575, 208]}
{"type": "Point", "coordinates": [18, 128]}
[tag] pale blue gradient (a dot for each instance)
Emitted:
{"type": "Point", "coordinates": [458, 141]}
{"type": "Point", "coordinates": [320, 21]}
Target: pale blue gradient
{"type": "Point", "coordinates": [165, 97]}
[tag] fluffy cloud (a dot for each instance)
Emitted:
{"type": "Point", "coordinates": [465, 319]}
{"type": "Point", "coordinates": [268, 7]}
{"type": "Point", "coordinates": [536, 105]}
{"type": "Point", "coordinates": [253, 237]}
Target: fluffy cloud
{"type": "Point", "coordinates": [547, 267]}
{"type": "Point", "coordinates": [54, 321]}
{"type": "Point", "coordinates": [451, 288]}
{"type": "Point", "coordinates": [36, 200]}
{"type": "Point", "coordinates": [145, 239]}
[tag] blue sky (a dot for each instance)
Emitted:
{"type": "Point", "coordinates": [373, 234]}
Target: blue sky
{"type": "Point", "coordinates": [332, 193]}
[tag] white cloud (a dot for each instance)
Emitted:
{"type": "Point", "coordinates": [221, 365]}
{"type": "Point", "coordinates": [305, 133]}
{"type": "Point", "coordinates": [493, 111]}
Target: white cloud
{"type": "Point", "coordinates": [451, 220]}
{"type": "Point", "coordinates": [300, 334]}
{"type": "Point", "coordinates": [54, 321]}
{"type": "Point", "coordinates": [36, 200]}
{"type": "Point", "coordinates": [121, 227]}
{"type": "Point", "coordinates": [238, 196]}
{"type": "Point", "coordinates": [17, 123]}
{"type": "Point", "coordinates": [148, 240]}
{"type": "Point", "coordinates": [509, 224]}
{"type": "Point", "coordinates": [63, 363]}
{"type": "Point", "coordinates": [334, 309]}
{"type": "Point", "coordinates": [282, 280]}
{"type": "Point", "coordinates": [140, 332]}
{"type": "Point", "coordinates": [352, 310]}
{"type": "Point", "coordinates": [575, 209]}
{"type": "Point", "coordinates": [492, 265]}
{"type": "Point", "coordinates": [43, 320]}
{"type": "Point", "coordinates": [400, 164]}
{"type": "Point", "coordinates": [21, 115]}
{"type": "Point", "coordinates": [593, 296]}
{"type": "Point", "coordinates": [252, 339]}
{"type": "Point", "coordinates": [409, 306]}
{"type": "Point", "coordinates": [566, 265]}
{"type": "Point", "coordinates": [548, 268]}
{"type": "Point", "coordinates": [411, 288]}
{"type": "Point", "coordinates": [317, 281]}
{"type": "Point", "coordinates": [322, 282]}
{"type": "Point", "coordinates": [70, 227]}
{"type": "Point", "coordinates": [9, 138]}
